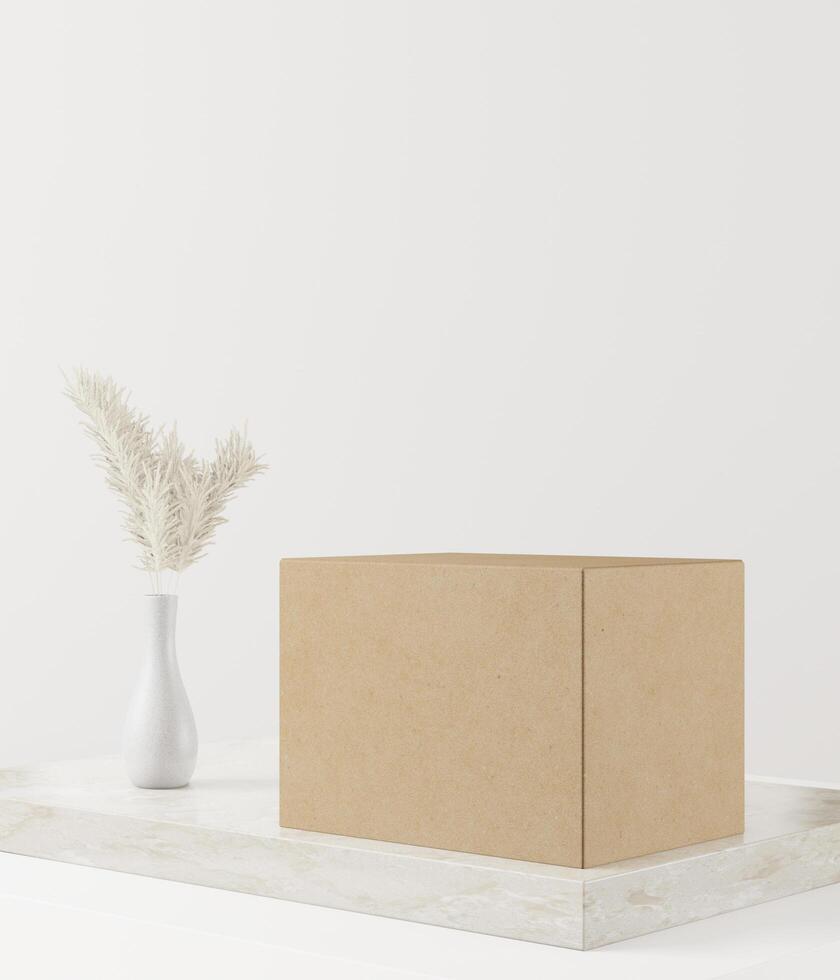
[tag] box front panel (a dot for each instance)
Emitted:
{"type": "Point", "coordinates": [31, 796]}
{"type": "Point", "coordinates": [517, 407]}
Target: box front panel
{"type": "Point", "coordinates": [663, 707]}
{"type": "Point", "coordinates": [437, 705]}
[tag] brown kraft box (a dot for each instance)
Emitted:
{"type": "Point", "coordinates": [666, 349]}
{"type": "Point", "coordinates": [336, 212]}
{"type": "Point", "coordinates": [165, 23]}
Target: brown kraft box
{"type": "Point", "coordinates": [571, 711]}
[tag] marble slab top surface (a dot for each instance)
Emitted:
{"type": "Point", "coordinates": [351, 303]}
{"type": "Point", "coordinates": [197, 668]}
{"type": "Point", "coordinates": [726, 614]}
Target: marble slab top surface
{"type": "Point", "coordinates": [222, 831]}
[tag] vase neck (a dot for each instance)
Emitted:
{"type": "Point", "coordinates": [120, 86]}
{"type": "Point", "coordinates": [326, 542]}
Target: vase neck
{"type": "Point", "coordinates": [161, 611]}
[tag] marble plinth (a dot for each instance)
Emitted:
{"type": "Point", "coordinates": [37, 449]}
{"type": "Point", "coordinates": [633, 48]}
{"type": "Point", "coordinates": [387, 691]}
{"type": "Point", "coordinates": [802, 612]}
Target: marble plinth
{"type": "Point", "coordinates": [222, 831]}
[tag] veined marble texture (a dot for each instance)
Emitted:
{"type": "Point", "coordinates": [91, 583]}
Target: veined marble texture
{"type": "Point", "coordinates": [222, 831]}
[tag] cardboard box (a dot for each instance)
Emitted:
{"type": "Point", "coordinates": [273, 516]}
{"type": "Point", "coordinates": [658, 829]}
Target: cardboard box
{"type": "Point", "coordinates": [572, 711]}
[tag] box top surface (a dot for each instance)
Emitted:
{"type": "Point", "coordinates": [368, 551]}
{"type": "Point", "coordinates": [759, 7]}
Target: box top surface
{"type": "Point", "coordinates": [534, 561]}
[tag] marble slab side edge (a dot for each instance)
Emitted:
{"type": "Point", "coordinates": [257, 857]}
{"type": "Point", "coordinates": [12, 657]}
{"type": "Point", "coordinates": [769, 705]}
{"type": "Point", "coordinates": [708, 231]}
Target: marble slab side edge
{"type": "Point", "coordinates": [222, 832]}
{"type": "Point", "coordinates": [517, 904]}
{"type": "Point", "coordinates": [647, 900]}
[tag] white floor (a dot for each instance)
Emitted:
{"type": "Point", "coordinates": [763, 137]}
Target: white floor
{"type": "Point", "coordinates": [63, 921]}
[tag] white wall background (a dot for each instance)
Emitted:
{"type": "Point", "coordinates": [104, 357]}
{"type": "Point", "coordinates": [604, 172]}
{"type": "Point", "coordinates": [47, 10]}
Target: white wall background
{"type": "Point", "coordinates": [501, 276]}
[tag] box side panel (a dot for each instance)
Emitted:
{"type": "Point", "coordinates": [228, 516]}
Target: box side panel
{"type": "Point", "coordinates": [663, 708]}
{"type": "Point", "coordinates": [433, 705]}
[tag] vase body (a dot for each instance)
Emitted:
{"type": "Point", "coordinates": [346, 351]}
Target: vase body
{"type": "Point", "coordinates": [160, 744]}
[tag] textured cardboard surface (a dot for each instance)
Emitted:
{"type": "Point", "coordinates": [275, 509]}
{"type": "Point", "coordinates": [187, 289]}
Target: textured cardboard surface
{"type": "Point", "coordinates": [434, 704]}
{"type": "Point", "coordinates": [567, 710]}
{"type": "Point", "coordinates": [509, 561]}
{"type": "Point", "coordinates": [663, 708]}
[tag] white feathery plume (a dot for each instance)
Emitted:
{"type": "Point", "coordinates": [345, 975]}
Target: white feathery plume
{"type": "Point", "coordinates": [173, 501]}
{"type": "Point", "coordinates": [206, 491]}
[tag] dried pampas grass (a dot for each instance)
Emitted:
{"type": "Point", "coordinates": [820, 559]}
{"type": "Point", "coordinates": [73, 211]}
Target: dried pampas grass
{"type": "Point", "coordinates": [173, 500]}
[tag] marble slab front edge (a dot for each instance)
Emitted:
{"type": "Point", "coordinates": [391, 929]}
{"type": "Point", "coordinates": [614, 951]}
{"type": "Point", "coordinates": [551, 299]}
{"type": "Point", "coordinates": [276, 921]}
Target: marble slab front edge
{"type": "Point", "coordinates": [222, 831]}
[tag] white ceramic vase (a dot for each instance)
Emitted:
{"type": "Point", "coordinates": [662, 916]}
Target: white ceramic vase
{"type": "Point", "coordinates": [160, 743]}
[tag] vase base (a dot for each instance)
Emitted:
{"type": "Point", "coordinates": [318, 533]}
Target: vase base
{"type": "Point", "coordinates": [159, 786]}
